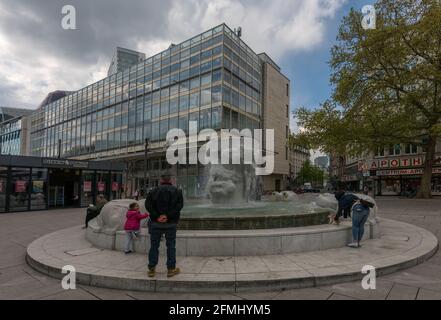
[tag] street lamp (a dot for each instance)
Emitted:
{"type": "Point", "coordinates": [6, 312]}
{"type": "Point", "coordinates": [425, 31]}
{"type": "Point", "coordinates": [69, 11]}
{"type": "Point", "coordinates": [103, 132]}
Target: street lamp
{"type": "Point", "coordinates": [146, 150]}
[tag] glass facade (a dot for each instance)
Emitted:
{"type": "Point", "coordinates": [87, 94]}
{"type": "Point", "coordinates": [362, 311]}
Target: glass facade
{"type": "Point", "coordinates": [10, 137]}
{"type": "Point", "coordinates": [213, 78]}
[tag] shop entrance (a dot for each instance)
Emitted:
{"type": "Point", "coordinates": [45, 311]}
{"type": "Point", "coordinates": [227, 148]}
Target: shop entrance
{"type": "Point", "coordinates": [64, 188]}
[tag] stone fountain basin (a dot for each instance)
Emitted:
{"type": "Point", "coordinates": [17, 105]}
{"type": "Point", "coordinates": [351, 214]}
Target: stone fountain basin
{"type": "Point", "coordinates": [219, 243]}
{"type": "Point", "coordinates": [275, 217]}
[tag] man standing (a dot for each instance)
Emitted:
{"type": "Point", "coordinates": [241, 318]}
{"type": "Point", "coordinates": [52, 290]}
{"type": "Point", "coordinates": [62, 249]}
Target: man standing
{"type": "Point", "coordinates": [164, 204]}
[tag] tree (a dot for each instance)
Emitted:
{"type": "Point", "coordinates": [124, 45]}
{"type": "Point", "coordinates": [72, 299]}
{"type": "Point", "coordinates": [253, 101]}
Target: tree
{"type": "Point", "coordinates": [387, 85]}
{"type": "Point", "coordinates": [311, 174]}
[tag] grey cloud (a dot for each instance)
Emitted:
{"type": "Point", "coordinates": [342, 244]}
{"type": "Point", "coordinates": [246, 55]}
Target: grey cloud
{"type": "Point", "coordinates": [102, 25]}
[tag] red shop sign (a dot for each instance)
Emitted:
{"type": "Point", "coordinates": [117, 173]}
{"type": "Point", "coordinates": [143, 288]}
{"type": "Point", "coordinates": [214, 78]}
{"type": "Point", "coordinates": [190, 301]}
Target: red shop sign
{"type": "Point", "coordinates": [20, 186]}
{"type": "Point", "coordinates": [115, 186]}
{"type": "Point", "coordinates": [87, 186]}
{"type": "Point", "coordinates": [101, 186]}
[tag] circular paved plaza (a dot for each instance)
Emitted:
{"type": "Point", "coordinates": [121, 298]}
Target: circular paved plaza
{"type": "Point", "coordinates": [327, 274]}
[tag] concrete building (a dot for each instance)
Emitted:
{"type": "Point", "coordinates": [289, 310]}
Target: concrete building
{"type": "Point", "coordinates": [298, 155]}
{"type": "Point", "coordinates": [213, 78]}
{"type": "Point", "coordinates": [276, 111]}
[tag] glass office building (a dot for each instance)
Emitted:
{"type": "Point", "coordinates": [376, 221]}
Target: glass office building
{"type": "Point", "coordinates": [214, 78]}
{"type": "Point", "coordinates": [14, 126]}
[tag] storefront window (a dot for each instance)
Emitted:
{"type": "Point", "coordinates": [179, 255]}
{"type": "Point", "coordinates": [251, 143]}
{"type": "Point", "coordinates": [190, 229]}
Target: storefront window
{"type": "Point", "coordinates": [86, 188]}
{"type": "Point", "coordinates": [3, 184]}
{"type": "Point", "coordinates": [436, 186]}
{"type": "Point", "coordinates": [102, 184]}
{"type": "Point", "coordinates": [116, 187]}
{"type": "Point", "coordinates": [390, 187]}
{"type": "Point", "coordinates": [19, 197]}
{"type": "Point", "coordinates": [38, 189]}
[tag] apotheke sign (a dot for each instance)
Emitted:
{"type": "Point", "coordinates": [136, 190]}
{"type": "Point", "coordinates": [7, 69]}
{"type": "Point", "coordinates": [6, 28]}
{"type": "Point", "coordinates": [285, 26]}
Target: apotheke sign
{"type": "Point", "coordinates": [405, 172]}
{"type": "Point", "coordinates": [391, 163]}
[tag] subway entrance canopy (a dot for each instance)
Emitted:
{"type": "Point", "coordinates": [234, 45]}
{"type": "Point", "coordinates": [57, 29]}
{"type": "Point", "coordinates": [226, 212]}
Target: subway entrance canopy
{"type": "Point", "coordinates": [33, 183]}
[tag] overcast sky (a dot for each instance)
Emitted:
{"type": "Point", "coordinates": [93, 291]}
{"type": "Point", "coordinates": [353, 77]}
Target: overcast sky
{"type": "Point", "coordinates": [38, 56]}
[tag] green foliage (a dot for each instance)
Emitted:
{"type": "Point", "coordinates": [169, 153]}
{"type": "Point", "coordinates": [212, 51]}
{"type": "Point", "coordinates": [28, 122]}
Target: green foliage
{"type": "Point", "coordinates": [311, 174]}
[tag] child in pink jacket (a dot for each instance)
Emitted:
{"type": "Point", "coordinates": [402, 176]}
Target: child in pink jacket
{"type": "Point", "coordinates": [133, 225]}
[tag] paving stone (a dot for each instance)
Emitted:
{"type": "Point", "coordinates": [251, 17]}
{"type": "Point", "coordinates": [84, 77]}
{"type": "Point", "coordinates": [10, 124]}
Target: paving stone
{"type": "Point", "coordinates": [337, 296]}
{"type": "Point", "coordinates": [402, 292]}
{"type": "Point", "coordinates": [76, 294]}
{"type": "Point", "coordinates": [425, 294]}
{"type": "Point", "coordinates": [356, 291]}
{"type": "Point", "coordinates": [17, 281]}
{"type": "Point", "coordinates": [304, 294]}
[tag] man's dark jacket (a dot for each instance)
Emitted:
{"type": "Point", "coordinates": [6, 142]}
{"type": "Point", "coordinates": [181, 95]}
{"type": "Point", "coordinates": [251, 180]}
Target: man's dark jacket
{"type": "Point", "coordinates": [165, 200]}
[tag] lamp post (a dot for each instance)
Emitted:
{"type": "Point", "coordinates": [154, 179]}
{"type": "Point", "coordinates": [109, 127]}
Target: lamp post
{"type": "Point", "coordinates": [59, 148]}
{"type": "Point", "coordinates": [146, 150]}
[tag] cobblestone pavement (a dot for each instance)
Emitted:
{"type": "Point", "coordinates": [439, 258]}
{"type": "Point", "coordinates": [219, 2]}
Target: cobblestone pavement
{"type": "Point", "coordinates": [19, 281]}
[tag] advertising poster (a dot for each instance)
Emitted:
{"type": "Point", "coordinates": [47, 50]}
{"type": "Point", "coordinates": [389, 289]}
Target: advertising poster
{"type": "Point", "coordinates": [101, 186]}
{"type": "Point", "coordinates": [20, 186]}
{"type": "Point", "coordinates": [37, 186]}
{"type": "Point", "coordinates": [87, 186]}
{"type": "Point", "coordinates": [115, 186]}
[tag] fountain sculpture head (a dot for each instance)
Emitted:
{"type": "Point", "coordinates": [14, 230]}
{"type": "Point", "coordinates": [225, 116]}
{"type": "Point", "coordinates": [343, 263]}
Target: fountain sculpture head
{"type": "Point", "coordinates": [233, 184]}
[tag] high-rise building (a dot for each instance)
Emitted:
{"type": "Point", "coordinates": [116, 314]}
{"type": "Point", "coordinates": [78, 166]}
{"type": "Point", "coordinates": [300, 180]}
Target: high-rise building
{"type": "Point", "coordinates": [213, 78]}
{"type": "Point", "coordinates": [322, 162]}
{"type": "Point", "coordinates": [124, 59]}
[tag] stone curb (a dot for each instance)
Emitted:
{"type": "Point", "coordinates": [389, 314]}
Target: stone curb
{"type": "Point", "coordinates": [230, 284]}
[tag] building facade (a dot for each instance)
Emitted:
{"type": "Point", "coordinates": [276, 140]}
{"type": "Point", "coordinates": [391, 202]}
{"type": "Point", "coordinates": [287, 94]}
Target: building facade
{"type": "Point", "coordinates": [14, 131]}
{"type": "Point", "coordinates": [275, 116]}
{"type": "Point", "coordinates": [298, 155]}
{"type": "Point", "coordinates": [214, 79]}
{"type": "Point", "coordinates": [392, 171]}
{"type": "Point", "coordinates": [35, 183]}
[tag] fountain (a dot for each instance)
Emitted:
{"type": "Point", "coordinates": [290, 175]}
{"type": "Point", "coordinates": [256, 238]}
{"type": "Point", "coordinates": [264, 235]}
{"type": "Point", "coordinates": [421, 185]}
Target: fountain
{"type": "Point", "coordinates": [231, 221]}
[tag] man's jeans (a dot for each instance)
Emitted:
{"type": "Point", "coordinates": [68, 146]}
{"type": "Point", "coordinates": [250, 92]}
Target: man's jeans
{"type": "Point", "coordinates": [156, 232]}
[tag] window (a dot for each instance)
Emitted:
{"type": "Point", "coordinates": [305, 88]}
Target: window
{"type": "Point", "coordinates": [164, 108]}
{"type": "Point", "coordinates": [206, 67]}
{"type": "Point", "coordinates": [217, 76]}
{"type": "Point", "coordinates": [216, 95]}
{"type": "Point", "coordinates": [287, 89]}
{"type": "Point", "coordinates": [183, 103]}
{"type": "Point", "coordinates": [380, 152]}
{"type": "Point", "coordinates": [395, 150]}
{"type": "Point", "coordinates": [206, 79]}
{"type": "Point", "coordinates": [411, 149]}
{"type": "Point", "coordinates": [194, 100]}
{"type": "Point", "coordinates": [205, 97]}
{"type": "Point", "coordinates": [174, 105]}
{"type": "Point", "coordinates": [185, 86]}
{"type": "Point", "coordinates": [194, 83]}
{"type": "Point", "coordinates": [287, 111]}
